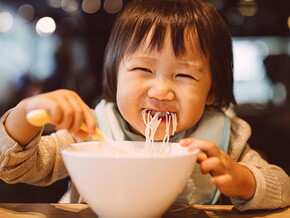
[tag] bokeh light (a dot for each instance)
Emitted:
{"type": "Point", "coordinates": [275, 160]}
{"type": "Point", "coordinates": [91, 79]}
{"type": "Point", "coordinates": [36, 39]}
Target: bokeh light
{"type": "Point", "coordinates": [6, 21]}
{"type": "Point", "coordinates": [113, 6]}
{"type": "Point", "coordinates": [248, 8]}
{"type": "Point", "coordinates": [54, 3]}
{"type": "Point", "coordinates": [26, 11]}
{"type": "Point", "coordinates": [45, 26]}
{"type": "Point", "coordinates": [91, 6]}
{"type": "Point", "coordinates": [69, 5]}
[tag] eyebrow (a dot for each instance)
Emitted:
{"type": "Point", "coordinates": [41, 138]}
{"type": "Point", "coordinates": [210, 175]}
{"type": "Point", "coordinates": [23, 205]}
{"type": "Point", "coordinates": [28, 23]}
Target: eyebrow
{"type": "Point", "coordinates": [196, 66]}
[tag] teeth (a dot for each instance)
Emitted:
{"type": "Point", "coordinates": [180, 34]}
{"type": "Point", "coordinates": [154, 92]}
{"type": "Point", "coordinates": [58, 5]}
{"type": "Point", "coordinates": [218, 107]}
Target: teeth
{"type": "Point", "coordinates": [160, 114]}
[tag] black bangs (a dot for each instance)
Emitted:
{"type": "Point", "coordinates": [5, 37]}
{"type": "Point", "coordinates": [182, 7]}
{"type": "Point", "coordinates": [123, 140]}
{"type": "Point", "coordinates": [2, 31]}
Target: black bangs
{"type": "Point", "coordinates": [157, 21]}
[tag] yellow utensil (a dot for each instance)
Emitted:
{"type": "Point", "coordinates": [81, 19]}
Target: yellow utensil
{"type": "Point", "coordinates": [41, 117]}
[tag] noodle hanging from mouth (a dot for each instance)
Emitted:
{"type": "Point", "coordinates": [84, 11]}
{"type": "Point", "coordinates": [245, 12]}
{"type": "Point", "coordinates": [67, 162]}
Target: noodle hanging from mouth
{"type": "Point", "coordinates": [152, 122]}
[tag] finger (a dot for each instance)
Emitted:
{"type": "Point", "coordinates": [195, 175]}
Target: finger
{"type": "Point", "coordinates": [185, 142]}
{"type": "Point", "coordinates": [48, 103]}
{"type": "Point", "coordinates": [89, 120]}
{"type": "Point", "coordinates": [225, 184]}
{"type": "Point", "coordinates": [87, 117]}
{"type": "Point", "coordinates": [63, 108]}
{"type": "Point", "coordinates": [81, 134]}
{"type": "Point", "coordinates": [201, 157]}
{"type": "Point", "coordinates": [66, 111]}
{"type": "Point", "coordinates": [222, 180]}
{"type": "Point", "coordinates": [78, 113]}
{"type": "Point", "coordinates": [55, 112]}
{"type": "Point", "coordinates": [206, 146]}
{"type": "Point", "coordinates": [213, 166]}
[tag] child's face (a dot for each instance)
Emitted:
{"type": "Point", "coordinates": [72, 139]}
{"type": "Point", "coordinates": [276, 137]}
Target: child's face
{"type": "Point", "coordinates": [160, 81]}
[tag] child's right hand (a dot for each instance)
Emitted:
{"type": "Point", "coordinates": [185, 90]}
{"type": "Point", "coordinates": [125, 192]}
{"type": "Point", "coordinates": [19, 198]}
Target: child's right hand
{"type": "Point", "coordinates": [67, 111]}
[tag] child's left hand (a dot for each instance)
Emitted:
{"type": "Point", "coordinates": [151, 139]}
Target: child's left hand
{"type": "Point", "coordinates": [231, 178]}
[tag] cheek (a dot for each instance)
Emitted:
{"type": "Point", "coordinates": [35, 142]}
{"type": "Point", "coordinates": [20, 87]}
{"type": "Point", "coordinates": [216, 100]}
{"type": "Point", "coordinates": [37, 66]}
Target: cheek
{"type": "Point", "coordinates": [129, 91]}
{"type": "Point", "coordinates": [123, 105]}
{"type": "Point", "coordinates": [122, 98]}
{"type": "Point", "coordinates": [191, 113]}
{"type": "Point", "coordinates": [128, 106]}
{"type": "Point", "coordinates": [127, 100]}
{"type": "Point", "coordinates": [122, 88]}
{"type": "Point", "coordinates": [121, 95]}
{"type": "Point", "coordinates": [191, 108]}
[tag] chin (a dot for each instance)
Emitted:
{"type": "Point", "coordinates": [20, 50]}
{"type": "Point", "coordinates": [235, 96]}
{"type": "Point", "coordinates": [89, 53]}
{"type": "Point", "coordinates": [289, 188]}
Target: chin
{"type": "Point", "coordinates": [159, 137]}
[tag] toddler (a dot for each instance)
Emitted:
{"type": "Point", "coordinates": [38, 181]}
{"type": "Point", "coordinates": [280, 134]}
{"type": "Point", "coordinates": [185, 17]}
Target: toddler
{"type": "Point", "coordinates": [162, 56]}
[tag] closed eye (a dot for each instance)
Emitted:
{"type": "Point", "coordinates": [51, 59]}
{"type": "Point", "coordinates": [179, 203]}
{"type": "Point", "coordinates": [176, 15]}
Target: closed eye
{"type": "Point", "coordinates": [185, 76]}
{"type": "Point", "coordinates": [143, 69]}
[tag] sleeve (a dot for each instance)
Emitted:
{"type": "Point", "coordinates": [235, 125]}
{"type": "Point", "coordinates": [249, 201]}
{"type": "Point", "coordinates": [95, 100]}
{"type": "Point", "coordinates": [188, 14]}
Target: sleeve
{"type": "Point", "coordinates": [37, 163]}
{"type": "Point", "coordinates": [272, 183]}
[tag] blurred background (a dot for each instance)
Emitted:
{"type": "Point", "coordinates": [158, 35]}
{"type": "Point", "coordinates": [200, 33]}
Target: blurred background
{"type": "Point", "coordinates": [51, 44]}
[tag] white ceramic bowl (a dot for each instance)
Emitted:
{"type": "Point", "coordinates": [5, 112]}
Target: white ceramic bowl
{"type": "Point", "coordinates": [136, 185]}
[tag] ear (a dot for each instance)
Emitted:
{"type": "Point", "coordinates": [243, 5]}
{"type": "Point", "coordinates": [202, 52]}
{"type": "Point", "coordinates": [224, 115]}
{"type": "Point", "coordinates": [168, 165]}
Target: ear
{"type": "Point", "coordinates": [210, 98]}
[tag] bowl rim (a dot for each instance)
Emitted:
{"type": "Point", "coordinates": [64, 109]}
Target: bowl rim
{"type": "Point", "coordinates": [141, 156]}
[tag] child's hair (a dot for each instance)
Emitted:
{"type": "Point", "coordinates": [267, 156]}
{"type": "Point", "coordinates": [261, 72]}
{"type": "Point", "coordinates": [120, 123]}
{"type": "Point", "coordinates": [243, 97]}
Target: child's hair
{"type": "Point", "coordinates": [201, 19]}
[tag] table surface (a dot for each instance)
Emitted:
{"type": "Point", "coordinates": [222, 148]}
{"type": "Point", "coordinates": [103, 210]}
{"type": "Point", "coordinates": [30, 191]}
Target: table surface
{"type": "Point", "coordinates": [14, 210]}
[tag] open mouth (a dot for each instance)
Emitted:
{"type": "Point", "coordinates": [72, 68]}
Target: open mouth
{"type": "Point", "coordinates": [159, 114]}
{"type": "Point", "coordinates": [152, 120]}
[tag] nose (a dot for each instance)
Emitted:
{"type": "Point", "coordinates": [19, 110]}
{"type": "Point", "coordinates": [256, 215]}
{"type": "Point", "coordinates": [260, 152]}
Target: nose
{"type": "Point", "coordinates": [161, 89]}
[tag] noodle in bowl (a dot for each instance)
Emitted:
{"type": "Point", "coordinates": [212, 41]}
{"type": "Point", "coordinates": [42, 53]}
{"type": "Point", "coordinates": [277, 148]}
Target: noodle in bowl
{"type": "Point", "coordinates": [116, 183]}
